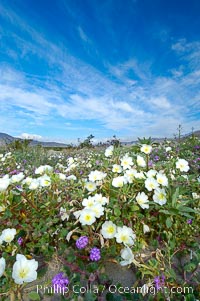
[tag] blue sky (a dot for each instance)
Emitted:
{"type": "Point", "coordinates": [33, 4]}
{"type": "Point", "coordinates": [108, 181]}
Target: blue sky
{"type": "Point", "coordinates": [71, 68]}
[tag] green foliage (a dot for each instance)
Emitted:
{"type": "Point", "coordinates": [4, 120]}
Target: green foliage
{"type": "Point", "coordinates": [45, 217]}
{"type": "Point", "coordinates": [87, 143]}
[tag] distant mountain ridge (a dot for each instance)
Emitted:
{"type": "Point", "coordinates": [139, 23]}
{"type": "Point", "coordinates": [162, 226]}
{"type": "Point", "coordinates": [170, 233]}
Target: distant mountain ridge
{"type": "Point", "coordinates": [6, 139]}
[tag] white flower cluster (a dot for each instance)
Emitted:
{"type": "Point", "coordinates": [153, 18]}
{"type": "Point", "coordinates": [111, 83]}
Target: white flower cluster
{"type": "Point", "coordinates": [109, 151]}
{"type": "Point", "coordinates": [3, 158]}
{"type": "Point", "coordinates": [7, 235]}
{"type": "Point", "coordinates": [4, 183]}
{"type": "Point", "coordinates": [182, 165]}
{"type": "Point", "coordinates": [95, 179]}
{"type": "Point", "coordinates": [24, 270]}
{"type": "Point", "coordinates": [43, 169]}
{"type": "Point", "coordinates": [153, 180]}
{"type": "Point", "coordinates": [123, 234]}
{"type": "Point", "coordinates": [35, 183]}
{"type": "Point", "coordinates": [93, 208]}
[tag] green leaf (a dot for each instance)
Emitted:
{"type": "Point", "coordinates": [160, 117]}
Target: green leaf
{"type": "Point", "coordinates": [190, 297]}
{"type": "Point", "coordinates": [175, 197]}
{"type": "Point", "coordinates": [186, 214]}
{"type": "Point", "coordinates": [34, 296]}
{"type": "Point", "coordinates": [117, 211]}
{"type": "Point", "coordinates": [135, 208]}
{"type": "Point", "coordinates": [186, 209]}
{"type": "Point", "coordinates": [168, 222]}
{"type": "Point", "coordinates": [165, 212]}
{"type": "Point", "coordinates": [172, 273]}
{"type": "Point", "coordinates": [190, 267]}
{"type": "Point", "coordinates": [113, 297]}
{"type": "Point", "coordinates": [90, 297]}
{"type": "Point", "coordinates": [109, 297]}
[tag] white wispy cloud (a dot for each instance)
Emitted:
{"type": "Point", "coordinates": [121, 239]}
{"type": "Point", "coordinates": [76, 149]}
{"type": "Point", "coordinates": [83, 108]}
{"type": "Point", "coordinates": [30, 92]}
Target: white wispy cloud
{"type": "Point", "coordinates": [30, 136]}
{"type": "Point", "coordinates": [128, 99]}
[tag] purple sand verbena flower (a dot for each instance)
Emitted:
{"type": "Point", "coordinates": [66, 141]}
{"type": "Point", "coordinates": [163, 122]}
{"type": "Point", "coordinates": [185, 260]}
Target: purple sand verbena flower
{"type": "Point", "coordinates": [20, 241]}
{"type": "Point", "coordinates": [82, 242]}
{"type": "Point", "coordinates": [189, 221]}
{"type": "Point", "coordinates": [59, 281]}
{"type": "Point", "coordinates": [150, 163]}
{"type": "Point", "coordinates": [159, 281]}
{"type": "Point", "coordinates": [95, 254]}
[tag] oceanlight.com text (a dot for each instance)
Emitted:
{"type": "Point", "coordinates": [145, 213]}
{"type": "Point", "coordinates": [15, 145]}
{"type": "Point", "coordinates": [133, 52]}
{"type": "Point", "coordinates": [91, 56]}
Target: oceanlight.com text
{"type": "Point", "coordinates": [113, 289]}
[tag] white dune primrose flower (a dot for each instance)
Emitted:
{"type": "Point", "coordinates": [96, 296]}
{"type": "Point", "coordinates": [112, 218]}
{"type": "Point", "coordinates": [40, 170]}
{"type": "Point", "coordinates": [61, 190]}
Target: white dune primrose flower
{"type": "Point", "coordinates": [108, 229]}
{"type": "Point", "coordinates": [62, 176]}
{"type": "Point", "coordinates": [130, 174]}
{"type": "Point", "coordinates": [90, 186]}
{"type": "Point", "coordinates": [151, 184]}
{"type": "Point", "coordinates": [17, 178]}
{"type": "Point", "coordinates": [42, 169]}
{"type": "Point", "coordinates": [27, 181]}
{"type": "Point", "coordinates": [145, 148]}
{"type": "Point", "coordinates": [87, 217]}
{"type": "Point", "coordinates": [140, 161]}
{"type": "Point", "coordinates": [140, 175]}
{"type": "Point", "coordinates": [195, 196]}
{"type": "Point", "coordinates": [118, 181]}
{"type": "Point", "coordinates": [159, 196]}
{"type": "Point", "coordinates": [8, 234]}
{"type": "Point", "coordinates": [126, 162]}
{"type": "Point", "coordinates": [2, 266]}
{"type": "Point", "coordinates": [125, 235]}
{"type": "Point", "coordinates": [70, 160]}
{"type": "Point", "coordinates": [127, 255]}
{"type": "Point", "coordinates": [24, 270]}
{"type": "Point", "coordinates": [98, 210]}
{"type": "Point", "coordinates": [99, 199]}
{"type": "Point", "coordinates": [77, 214]}
{"type": "Point", "coordinates": [162, 179]}
{"type": "Point", "coordinates": [34, 184]}
{"type": "Point", "coordinates": [44, 181]}
{"type": "Point", "coordinates": [117, 168]}
{"type": "Point", "coordinates": [182, 164]}
{"type": "Point", "coordinates": [96, 175]}
{"type": "Point", "coordinates": [72, 177]}
{"type": "Point", "coordinates": [4, 183]}
{"type": "Point", "coordinates": [146, 229]}
{"type": "Point", "coordinates": [151, 173]}
{"type": "Point", "coordinates": [142, 200]}
{"type": "Point", "coordinates": [109, 151]}
{"type": "Point", "coordinates": [89, 202]}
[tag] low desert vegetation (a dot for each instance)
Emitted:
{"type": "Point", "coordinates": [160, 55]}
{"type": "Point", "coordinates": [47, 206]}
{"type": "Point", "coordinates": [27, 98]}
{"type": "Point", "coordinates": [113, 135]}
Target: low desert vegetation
{"type": "Point", "coordinates": [136, 206]}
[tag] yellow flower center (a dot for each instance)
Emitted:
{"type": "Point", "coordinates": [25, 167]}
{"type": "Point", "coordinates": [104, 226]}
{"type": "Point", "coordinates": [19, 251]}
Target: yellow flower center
{"type": "Point", "coordinates": [88, 217]}
{"type": "Point", "coordinates": [161, 196]}
{"type": "Point", "coordinates": [110, 230]}
{"type": "Point", "coordinates": [124, 237]}
{"type": "Point", "coordinates": [23, 273]}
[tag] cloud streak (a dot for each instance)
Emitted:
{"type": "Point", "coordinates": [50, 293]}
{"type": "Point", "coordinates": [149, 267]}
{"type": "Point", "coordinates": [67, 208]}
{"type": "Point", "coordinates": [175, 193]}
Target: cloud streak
{"type": "Point", "coordinates": [127, 98]}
